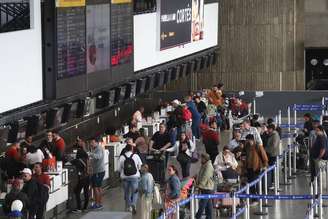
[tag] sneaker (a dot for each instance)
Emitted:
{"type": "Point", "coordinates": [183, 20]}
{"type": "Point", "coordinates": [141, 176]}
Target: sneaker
{"type": "Point", "coordinates": [271, 188]}
{"type": "Point", "coordinates": [93, 207]}
{"type": "Point", "coordinates": [129, 209]}
{"type": "Point", "coordinates": [134, 211]}
{"type": "Point", "coordinates": [77, 211]}
{"type": "Point", "coordinates": [253, 204]}
{"type": "Point", "coordinates": [99, 207]}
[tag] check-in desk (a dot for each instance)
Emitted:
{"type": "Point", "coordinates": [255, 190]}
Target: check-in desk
{"type": "Point", "coordinates": [114, 149]}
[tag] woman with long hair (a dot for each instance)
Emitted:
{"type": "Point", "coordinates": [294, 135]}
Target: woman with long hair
{"type": "Point", "coordinates": [173, 187]}
{"type": "Point", "coordinates": [186, 147]}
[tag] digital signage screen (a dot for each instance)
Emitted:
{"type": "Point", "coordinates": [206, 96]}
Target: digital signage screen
{"type": "Point", "coordinates": [180, 22]}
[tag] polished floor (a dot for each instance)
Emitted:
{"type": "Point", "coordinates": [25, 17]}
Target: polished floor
{"type": "Point", "coordinates": [114, 202]}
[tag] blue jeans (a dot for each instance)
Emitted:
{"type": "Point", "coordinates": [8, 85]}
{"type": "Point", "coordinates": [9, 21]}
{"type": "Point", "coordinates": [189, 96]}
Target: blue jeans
{"type": "Point", "coordinates": [131, 191]}
{"type": "Point", "coordinates": [195, 127]}
{"type": "Point", "coordinates": [205, 204]}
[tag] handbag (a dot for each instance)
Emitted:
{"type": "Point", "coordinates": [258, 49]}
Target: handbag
{"type": "Point", "coordinates": [183, 158]}
{"type": "Point", "coordinates": [194, 157]}
{"type": "Point", "coordinates": [157, 200]}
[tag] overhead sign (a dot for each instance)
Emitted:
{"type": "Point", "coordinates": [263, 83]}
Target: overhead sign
{"type": "Point", "coordinates": [121, 1]}
{"type": "Point", "coordinates": [70, 3]}
{"type": "Point", "coordinates": [180, 22]}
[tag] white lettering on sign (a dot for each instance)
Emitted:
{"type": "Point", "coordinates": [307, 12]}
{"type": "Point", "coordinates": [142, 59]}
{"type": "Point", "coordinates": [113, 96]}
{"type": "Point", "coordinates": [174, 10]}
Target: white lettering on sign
{"type": "Point", "coordinates": [183, 15]}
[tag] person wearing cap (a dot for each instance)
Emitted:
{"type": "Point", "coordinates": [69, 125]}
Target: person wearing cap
{"type": "Point", "coordinates": [15, 194]}
{"type": "Point", "coordinates": [16, 210]}
{"type": "Point", "coordinates": [205, 184]}
{"type": "Point", "coordinates": [32, 189]}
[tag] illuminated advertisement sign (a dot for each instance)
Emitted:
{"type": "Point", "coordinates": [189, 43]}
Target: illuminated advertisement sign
{"type": "Point", "coordinates": [180, 22]}
{"type": "Point", "coordinates": [70, 3]}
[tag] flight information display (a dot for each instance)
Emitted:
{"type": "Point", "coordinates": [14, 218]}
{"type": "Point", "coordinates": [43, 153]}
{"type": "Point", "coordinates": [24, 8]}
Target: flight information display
{"type": "Point", "coordinates": [122, 33]}
{"type": "Point", "coordinates": [71, 55]}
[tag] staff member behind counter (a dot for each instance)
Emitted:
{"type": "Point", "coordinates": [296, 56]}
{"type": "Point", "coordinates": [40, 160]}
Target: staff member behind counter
{"type": "Point", "coordinates": [160, 141]}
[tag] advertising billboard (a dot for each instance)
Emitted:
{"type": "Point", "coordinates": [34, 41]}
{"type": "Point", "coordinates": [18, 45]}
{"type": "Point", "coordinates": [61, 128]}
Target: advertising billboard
{"type": "Point", "coordinates": [98, 34]}
{"type": "Point", "coordinates": [202, 34]}
{"type": "Point", "coordinates": [180, 22]}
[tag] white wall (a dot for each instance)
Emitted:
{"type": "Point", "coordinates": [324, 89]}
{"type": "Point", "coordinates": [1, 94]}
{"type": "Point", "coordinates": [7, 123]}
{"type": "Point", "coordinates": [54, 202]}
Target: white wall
{"type": "Point", "coordinates": [146, 53]}
{"type": "Point", "coordinates": [21, 64]}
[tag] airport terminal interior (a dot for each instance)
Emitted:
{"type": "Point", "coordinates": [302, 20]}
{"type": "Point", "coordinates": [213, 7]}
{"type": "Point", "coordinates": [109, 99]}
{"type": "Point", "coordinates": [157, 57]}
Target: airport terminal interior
{"type": "Point", "coordinates": [163, 109]}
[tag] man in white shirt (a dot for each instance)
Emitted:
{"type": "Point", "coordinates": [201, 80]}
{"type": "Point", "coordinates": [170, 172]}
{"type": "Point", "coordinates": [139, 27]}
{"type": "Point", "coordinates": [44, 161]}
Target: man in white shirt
{"type": "Point", "coordinates": [247, 129]}
{"type": "Point", "coordinates": [129, 166]}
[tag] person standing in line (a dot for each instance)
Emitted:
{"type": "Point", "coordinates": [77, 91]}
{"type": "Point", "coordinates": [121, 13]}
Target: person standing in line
{"type": "Point", "coordinates": [196, 116]}
{"type": "Point", "coordinates": [98, 172]}
{"type": "Point", "coordinates": [146, 190]}
{"type": "Point", "coordinates": [37, 193]}
{"type": "Point", "coordinates": [318, 151]}
{"type": "Point", "coordinates": [173, 189]}
{"type": "Point", "coordinates": [15, 194]}
{"type": "Point", "coordinates": [205, 184]}
{"type": "Point", "coordinates": [83, 167]}
{"type": "Point", "coordinates": [142, 143]}
{"type": "Point", "coordinates": [129, 166]}
{"type": "Point", "coordinates": [186, 147]}
{"type": "Point", "coordinates": [272, 149]}
{"type": "Point", "coordinates": [256, 160]}
{"type": "Point", "coordinates": [211, 140]}
{"type": "Point", "coordinates": [201, 107]}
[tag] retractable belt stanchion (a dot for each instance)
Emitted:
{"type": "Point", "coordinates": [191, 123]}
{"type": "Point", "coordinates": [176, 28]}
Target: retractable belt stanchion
{"type": "Point", "coordinates": [312, 200]}
{"type": "Point", "coordinates": [234, 205]}
{"type": "Point", "coordinates": [247, 203]}
{"type": "Point", "coordinates": [320, 193]}
{"type": "Point", "coordinates": [266, 204]}
{"type": "Point", "coordinates": [290, 176]}
{"type": "Point", "coordinates": [260, 211]}
{"type": "Point", "coordinates": [177, 213]}
{"type": "Point", "coordinates": [326, 176]}
{"type": "Point", "coordinates": [295, 148]}
{"type": "Point", "coordinates": [192, 209]}
{"type": "Point", "coordinates": [315, 194]}
{"type": "Point", "coordinates": [276, 178]}
{"type": "Point", "coordinates": [254, 105]}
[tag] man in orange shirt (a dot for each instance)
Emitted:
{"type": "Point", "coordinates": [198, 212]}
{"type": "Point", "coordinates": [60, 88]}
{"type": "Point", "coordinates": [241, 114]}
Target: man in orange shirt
{"type": "Point", "coordinates": [40, 176]}
{"type": "Point", "coordinates": [13, 151]}
{"type": "Point", "coordinates": [215, 96]}
{"type": "Point", "coordinates": [59, 146]}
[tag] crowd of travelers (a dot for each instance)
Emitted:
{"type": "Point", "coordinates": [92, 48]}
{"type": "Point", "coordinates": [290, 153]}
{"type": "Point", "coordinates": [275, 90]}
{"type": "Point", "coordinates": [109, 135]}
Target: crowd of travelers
{"type": "Point", "coordinates": [196, 120]}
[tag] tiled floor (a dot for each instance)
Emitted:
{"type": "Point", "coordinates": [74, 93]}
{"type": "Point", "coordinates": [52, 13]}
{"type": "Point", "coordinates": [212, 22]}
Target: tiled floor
{"type": "Point", "coordinates": [113, 198]}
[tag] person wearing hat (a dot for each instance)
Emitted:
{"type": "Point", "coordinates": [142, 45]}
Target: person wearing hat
{"type": "Point", "coordinates": [36, 193]}
{"type": "Point", "coordinates": [16, 210]}
{"type": "Point", "coordinates": [15, 194]}
{"type": "Point", "coordinates": [205, 184]}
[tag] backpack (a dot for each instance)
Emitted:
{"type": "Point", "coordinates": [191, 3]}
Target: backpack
{"type": "Point", "coordinates": [186, 114]}
{"type": "Point", "coordinates": [43, 191]}
{"type": "Point", "coordinates": [129, 166]}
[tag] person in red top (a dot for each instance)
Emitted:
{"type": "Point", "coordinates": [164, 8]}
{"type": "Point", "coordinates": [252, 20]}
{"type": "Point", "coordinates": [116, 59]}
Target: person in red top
{"type": "Point", "coordinates": [40, 176]}
{"type": "Point", "coordinates": [211, 140]}
{"type": "Point", "coordinates": [59, 146]}
{"type": "Point", "coordinates": [13, 151]}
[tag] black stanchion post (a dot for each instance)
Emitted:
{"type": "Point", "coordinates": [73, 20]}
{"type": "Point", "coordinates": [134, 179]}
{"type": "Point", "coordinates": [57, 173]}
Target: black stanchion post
{"type": "Point", "coordinates": [286, 182]}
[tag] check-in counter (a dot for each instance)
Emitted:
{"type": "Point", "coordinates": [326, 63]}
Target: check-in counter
{"type": "Point", "coordinates": [58, 193]}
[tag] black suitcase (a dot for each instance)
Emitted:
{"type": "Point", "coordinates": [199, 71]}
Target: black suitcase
{"type": "Point", "coordinates": [157, 169]}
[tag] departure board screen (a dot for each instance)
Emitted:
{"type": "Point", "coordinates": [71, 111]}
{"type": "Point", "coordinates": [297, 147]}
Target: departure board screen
{"type": "Point", "coordinates": [122, 34]}
{"type": "Point", "coordinates": [71, 55]}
